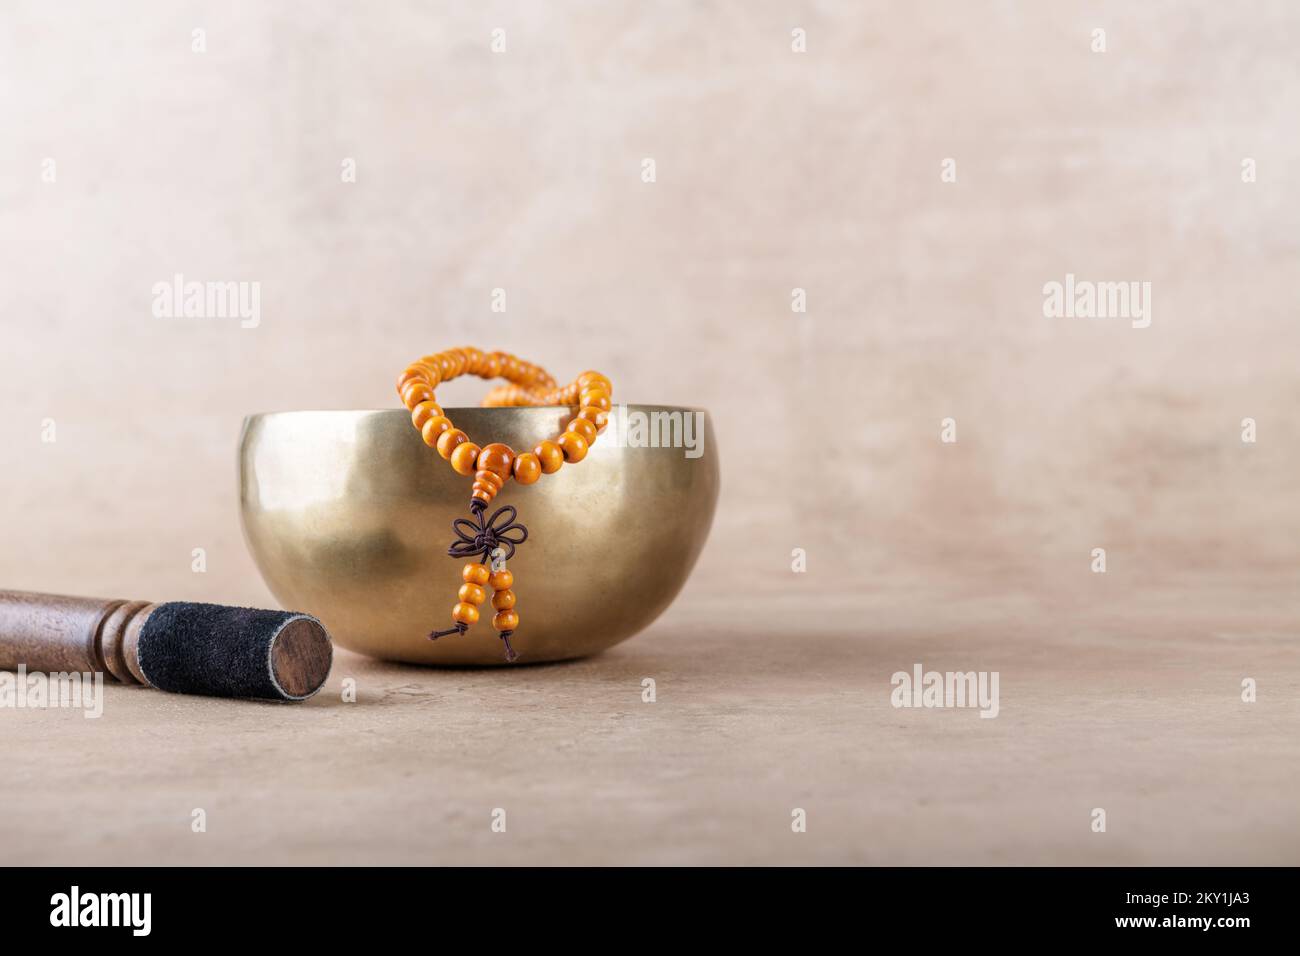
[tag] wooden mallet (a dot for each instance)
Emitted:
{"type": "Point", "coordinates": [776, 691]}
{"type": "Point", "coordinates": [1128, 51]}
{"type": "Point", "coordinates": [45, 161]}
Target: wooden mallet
{"type": "Point", "coordinates": [181, 647]}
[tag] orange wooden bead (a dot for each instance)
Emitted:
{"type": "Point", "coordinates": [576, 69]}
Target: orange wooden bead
{"type": "Point", "coordinates": [591, 378]}
{"type": "Point", "coordinates": [475, 573]}
{"type": "Point", "coordinates": [449, 440]}
{"type": "Point", "coordinates": [551, 457]}
{"type": "Point", "coordinates": [489, 479]}
{"type": "Point", "coordinates": [416, 372]}
{"type": "Point", "coordinates": [433, 428]}
{"type": "Point", "coordinates": [472, 594]}
{"type": "Point", "coordinates": [595, 398]}
{"type": "Point", "coordinates": [573, 445]}
{"type": "Point", "coordinates": [463, 457]}
{"type": "Point", "coordinates": [528, 468]}
{"type": "Point", "coordinates": [503, 600]}
{"type": "Point", "coordinates": [423, 412]}
{"type": "Point", "coordinates": [486, 484]}
{"type": "Point", "coordinates": [496, 458]}
{"type": "Point", "coordinates": [464, 613]}
{"type": "Point", "coordinates": [580, 426]}
{"type": "Point", "coordinates": [501, 580]}
{"type": "Point", "coordinates": [505, 620]}
{"type": "Point", "coordinates": [597, 416]}
{"type": "Point", "coordinates": [415, 393]}
{"type": "Point", "coordinates": [412, 373]}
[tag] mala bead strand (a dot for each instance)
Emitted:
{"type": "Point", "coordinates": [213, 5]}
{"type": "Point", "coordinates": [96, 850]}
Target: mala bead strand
{"type": "Point", "coordinates": [471, 594]}
{"type": "Point", "coordinates": [493, 464]}
{"type": "Point", "coordinates": [506, 619]}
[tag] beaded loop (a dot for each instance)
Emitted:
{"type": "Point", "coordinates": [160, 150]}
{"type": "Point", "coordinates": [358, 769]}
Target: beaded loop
{"type": "Point", "coordinates": [528, 385]}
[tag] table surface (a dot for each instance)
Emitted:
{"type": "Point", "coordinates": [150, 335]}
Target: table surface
{"type": "Point", "coordinates": [757, 712]}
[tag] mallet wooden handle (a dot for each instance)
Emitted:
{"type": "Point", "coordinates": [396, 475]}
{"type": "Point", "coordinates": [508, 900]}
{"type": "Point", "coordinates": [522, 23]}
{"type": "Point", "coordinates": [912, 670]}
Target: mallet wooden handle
{"type": "Point", "coordinates": [54, 632]}
{"type": "Point", "coordinates": [189, 648]}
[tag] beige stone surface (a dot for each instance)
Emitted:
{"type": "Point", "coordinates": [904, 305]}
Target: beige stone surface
{"type": "Point", "coordinates": [756, 714]}
{"type": "Point", "coordinates": [775, 171]}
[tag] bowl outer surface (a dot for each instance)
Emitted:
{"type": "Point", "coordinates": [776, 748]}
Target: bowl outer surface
{"type": "Point", "coordinates": [348, 516]}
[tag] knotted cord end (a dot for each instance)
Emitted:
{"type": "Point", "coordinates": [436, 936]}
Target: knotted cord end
{"type": "Point", "coordinates": [511, 656]}
{"type": "Point", "coordinates": [460, 628]}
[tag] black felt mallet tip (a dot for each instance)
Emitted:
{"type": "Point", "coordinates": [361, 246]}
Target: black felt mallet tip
{"type": "Point", "coordinates": [224, 651]}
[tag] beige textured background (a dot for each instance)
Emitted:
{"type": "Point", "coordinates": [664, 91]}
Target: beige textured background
{"type": "Point", "coordinates": [775, 170]}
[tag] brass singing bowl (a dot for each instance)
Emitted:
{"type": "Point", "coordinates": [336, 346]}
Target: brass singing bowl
{"type": "Point", "coordinates": [348, 515]}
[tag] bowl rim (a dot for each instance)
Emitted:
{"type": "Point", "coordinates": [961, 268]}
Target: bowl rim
{"type": "Point", "coordinates": [494, 409]}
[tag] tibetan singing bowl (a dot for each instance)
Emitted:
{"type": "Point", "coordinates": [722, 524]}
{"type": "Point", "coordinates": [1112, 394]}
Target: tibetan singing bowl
{"type": "Point", "coordinates": [349, 515]}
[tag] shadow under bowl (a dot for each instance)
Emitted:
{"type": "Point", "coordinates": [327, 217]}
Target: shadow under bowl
{"type": "Point", "coordinates": [348, 515]}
